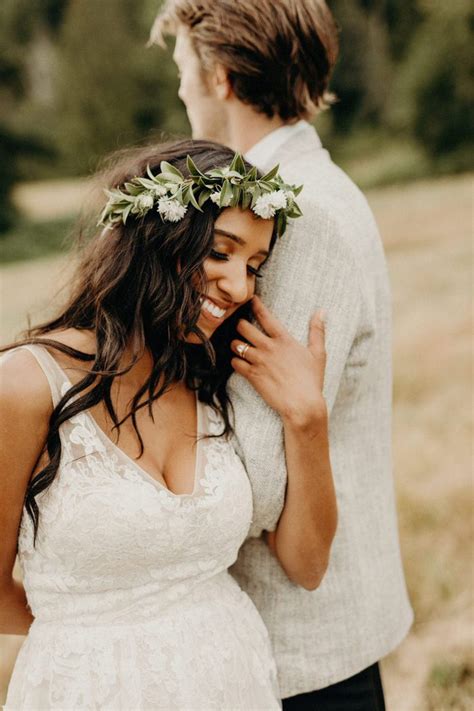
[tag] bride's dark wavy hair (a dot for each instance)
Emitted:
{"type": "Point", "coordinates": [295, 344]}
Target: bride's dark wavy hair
{"type": "Point", "coordinates": [139, 285]}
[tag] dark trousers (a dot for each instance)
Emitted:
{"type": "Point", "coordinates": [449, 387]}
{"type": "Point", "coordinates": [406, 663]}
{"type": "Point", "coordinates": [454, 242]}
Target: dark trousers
{"type": "Point", "coordinates": [362, 692]}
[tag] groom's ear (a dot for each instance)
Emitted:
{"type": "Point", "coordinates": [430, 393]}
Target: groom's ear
{"type": "Point", "coordinates": [221, 83]}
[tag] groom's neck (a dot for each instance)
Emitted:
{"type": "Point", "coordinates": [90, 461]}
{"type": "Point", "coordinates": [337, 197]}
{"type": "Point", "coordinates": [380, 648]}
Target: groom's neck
{"type": "Point", "coordinates": [245, 127]}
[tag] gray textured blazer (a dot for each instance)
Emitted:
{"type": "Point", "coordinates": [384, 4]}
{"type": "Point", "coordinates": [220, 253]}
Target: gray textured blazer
{"type": "Point", "coordinates": [330, 258]}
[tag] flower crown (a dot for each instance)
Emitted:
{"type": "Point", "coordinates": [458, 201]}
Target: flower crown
{"type": "Point", "coordinates": [230, 186]}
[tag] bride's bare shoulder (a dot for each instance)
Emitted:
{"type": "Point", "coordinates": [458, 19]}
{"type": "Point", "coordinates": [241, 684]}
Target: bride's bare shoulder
{"type": "Point", "coordinates": [23, 383]}
{"type": "Point", "coordinates": [24, 388]}
{"type": "Point", "coordinates": [80, 340]}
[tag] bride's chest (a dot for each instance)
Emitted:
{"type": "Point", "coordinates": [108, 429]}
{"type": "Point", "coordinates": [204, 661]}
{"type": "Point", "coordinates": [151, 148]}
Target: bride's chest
{"type": "Point", "coordinates": [102, 510]}
{"type": "Point", "coordinates": [162, 438]}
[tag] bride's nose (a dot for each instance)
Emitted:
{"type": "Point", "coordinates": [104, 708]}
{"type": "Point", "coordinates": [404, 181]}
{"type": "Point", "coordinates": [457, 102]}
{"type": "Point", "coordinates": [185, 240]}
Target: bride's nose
{"type": "Point", "coordinates": [234, 282]}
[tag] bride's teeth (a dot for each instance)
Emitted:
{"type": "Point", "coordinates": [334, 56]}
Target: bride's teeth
{"type": "Point", "coordinates": [213, 309]}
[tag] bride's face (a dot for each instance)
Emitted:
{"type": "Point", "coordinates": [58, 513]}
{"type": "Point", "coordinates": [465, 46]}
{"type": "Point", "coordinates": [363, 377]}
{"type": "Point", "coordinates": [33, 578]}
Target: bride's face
{"type": "Point", "coordinates": [241, 246]}
{"type": "Point", "coordinates": [197, 92]}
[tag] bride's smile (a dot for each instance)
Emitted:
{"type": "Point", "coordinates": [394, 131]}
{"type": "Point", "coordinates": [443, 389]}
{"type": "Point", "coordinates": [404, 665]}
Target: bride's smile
{"type": "Point", "coordinates": [241, 246]}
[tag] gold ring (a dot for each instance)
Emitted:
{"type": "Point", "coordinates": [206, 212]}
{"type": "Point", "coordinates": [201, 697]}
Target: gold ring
{"type": "Point", "coordinates": [242, 349]}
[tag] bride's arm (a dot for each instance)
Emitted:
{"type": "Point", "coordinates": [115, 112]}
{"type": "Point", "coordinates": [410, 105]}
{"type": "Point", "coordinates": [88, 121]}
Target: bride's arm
{"type": "Point", "coordinates": [289, 377]}
{"type": "Point", "coordinates": [307, 525]}
{"type": "Point", "coordinates": [25, 406]}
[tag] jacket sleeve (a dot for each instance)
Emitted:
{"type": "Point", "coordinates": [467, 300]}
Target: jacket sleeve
{"type": "Point", "coordinates": [313, 266]}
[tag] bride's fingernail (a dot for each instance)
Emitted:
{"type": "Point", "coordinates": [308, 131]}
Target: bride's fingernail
{"type": "Point", "coordinates": [322, 315]}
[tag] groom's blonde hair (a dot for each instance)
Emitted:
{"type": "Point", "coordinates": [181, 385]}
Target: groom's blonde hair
{"type": "Point", "coordinates": [278, 54]}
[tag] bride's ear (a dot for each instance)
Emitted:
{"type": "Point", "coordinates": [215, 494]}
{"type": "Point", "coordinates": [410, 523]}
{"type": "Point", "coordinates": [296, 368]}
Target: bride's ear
{"type": "Point", "coordinates": [221, 83]}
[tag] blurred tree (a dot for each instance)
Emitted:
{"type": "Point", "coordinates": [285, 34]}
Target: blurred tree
{"type": "Point", "coordinates": [403, 18]}
{"type": "Point", "coordinates": [434, 96]}
{"type": "Point", "coordinates": [112, 90]}
{"type": "Point", "coordinates": [12, 146]}
{"type": "Point", "coordinates": [28, 33]}
{"type": "Point", "coordinates": [362, 76]}
{"type": "Point", "coordinates": [76, 75]}
{"type": "Point", "coordinates": [22, 22]}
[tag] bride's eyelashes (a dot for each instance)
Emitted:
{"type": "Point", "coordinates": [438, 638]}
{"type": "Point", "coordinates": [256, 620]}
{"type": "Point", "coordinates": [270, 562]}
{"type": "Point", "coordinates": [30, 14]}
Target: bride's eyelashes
{"type": "Point", "coordinates": [225, 257]}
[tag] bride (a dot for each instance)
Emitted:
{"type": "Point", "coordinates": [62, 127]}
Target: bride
{"type": "Point", "coordinates": [121, 491]}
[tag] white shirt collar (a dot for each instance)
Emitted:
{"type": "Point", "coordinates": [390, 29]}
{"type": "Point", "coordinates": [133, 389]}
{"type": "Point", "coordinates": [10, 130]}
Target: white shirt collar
{"type": "Point", "coordinates": [272, 142]}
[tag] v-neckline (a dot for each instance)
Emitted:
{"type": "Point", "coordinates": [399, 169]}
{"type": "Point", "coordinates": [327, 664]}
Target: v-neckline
{"type": "Point", "coordinates": [143, 471]}
{"type": "Point", "coordinates": [127, 457]}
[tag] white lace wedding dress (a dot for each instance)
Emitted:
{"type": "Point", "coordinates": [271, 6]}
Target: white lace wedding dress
{"type": "Point", "coordinates": [134, 608]}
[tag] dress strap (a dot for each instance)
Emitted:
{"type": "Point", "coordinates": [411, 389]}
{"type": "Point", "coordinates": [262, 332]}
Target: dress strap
{"type": "Point", "coordinates": [57, 378]}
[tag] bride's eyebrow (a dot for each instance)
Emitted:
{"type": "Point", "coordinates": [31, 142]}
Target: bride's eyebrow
{"type": "Point", "coordinates": [238, 240]}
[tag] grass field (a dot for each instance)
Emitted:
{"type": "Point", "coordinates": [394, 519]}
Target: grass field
{"type": "Point", "coordinates": [427, 231]}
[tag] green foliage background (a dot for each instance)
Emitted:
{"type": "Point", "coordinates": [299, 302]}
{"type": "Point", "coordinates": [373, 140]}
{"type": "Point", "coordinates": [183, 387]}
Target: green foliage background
{"type": "Point", "coordinates": [77, 81]}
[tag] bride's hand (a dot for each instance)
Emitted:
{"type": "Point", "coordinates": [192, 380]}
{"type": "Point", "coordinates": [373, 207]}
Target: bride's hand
{"type": "Point", "coordinates": [288, 375]}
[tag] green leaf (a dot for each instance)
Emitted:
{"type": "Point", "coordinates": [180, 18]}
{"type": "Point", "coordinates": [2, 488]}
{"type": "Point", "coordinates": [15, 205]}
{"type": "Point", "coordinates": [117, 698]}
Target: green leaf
{"type": "Point", "coordinates": [256, 193]}
{"type": "Point", "coordinates": [118, 197]}
{"type": "Point", "coordinates": [226, 193]}
{"type": "Point", "coordinates": [178, 194]}
{"type": "Point", "coordinates": [149, 184]}
{"type": "Point", "coordinates": [193, 200]}
{"type": "Point", "coordinates": [281, 223]}
{"type": "Point", "coordinates": [209, 184]}
{"type": "Point", "coordinates": [272, 173]}
{"type": "Point", "coordinates": [104, 214]}
{"type": "Point", "coordinates": [193, 169]}
{"type": "Point", "coordinates": [133, 189]}
{"type": "Point", "coordinates": [203, 196]}
{"type": "Point", "coordinates": [169, 169]}
{"type": "Point", "coordinates": [232, 166]}
{"type": "Point", "coordinates": [149, 173]}
{"type": "Point", "coordinates": [170, 179]}
{"type": "Point", "coordinates": [237, 194]}
{"type": "Point", "coordinates": [246, 200]}
{"type": "Point", "coordinates": [294, 211]}
{"type": "Point", "coordinates": [126, 213]}
{"type": "Point", "coordinates": [238, 164]}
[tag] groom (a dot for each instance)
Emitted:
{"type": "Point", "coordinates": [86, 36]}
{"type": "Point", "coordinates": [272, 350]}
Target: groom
{"type": "Point", "coordinates": [252, 74]}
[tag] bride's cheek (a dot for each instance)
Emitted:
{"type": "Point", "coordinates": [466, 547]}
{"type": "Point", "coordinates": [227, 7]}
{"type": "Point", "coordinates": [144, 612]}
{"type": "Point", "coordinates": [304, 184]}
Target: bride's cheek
{"type": "Point", "coordinates": [209, 269]}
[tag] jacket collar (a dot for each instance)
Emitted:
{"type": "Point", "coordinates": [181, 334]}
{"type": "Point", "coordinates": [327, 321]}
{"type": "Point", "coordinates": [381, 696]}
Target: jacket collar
{"type": "Point", "coordinates": [269, 149]}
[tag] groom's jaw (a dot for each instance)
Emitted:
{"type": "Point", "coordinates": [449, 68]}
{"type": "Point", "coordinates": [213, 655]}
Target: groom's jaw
{"type": "Point", "coordinates": [197, 91]}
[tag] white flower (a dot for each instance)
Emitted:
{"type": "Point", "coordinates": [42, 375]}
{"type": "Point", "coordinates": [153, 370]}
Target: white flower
{"type": "Point", "coordinates": [216, 198]}
{"type": "Point", "coordinates": [142, 204]}
{"type": "Point", "coordinates": [278, 199]}
{"type": "Point", "coordinates": [171, 210]}
{"type": "Point", "coordinates": [263, 207]}
{"type": "Point", "coordinates": [290, 196]}
{"type": "Point", "coordinates": [159, 190]}
{"type": "Point", "coordinates": [266, 205]}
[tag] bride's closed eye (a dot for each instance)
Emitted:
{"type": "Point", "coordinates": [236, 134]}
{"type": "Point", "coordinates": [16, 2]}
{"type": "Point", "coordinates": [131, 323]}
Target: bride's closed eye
{"type": "Point", "coordinates": [225, 257]}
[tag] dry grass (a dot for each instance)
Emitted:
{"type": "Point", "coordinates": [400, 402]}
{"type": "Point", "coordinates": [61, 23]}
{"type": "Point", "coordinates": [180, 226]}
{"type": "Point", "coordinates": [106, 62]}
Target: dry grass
{"type": "Point", "coordinates": [427, 233]}
{"type": "Point", "coordinates": [451, 686]}
{"type": "Point", "coordinates": [34, 199]}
